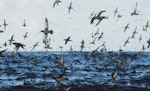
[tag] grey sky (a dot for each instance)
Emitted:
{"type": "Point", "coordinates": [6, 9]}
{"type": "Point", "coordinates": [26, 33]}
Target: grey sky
{"type": "Point", "coordinates": [76, 24]}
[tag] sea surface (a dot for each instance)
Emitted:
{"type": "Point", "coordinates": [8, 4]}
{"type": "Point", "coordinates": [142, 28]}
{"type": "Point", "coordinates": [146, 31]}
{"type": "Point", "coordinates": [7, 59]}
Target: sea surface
{"type": "Point", "coordinates": [29, 71]}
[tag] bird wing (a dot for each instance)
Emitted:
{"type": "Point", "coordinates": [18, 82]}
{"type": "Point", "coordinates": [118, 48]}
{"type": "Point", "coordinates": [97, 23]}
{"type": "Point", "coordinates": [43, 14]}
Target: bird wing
{"type": "Point", "coordinates": [46, 23]}
{"type": "Point", "coordinates": [101, 12]}
{"type": "Point", "coordinates": [92, 20]}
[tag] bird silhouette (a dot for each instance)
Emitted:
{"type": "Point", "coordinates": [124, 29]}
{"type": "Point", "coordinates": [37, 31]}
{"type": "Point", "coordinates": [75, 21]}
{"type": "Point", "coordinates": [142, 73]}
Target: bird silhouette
{"type": "Point", "coordinates": [67, 40]}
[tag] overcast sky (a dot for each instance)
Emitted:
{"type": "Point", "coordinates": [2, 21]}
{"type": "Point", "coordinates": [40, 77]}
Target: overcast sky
{"type": "Point", "coordinates": [76, 24]}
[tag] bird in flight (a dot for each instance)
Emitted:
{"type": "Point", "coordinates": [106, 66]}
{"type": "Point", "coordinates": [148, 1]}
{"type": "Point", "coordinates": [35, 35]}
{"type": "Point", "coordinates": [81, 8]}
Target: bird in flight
{"type": "Point", "coordinates": [126, 27]}
{"type": "Point", "coordinates": [56, 3]}
{"type": "Point", "coordinates": [70, 7]}
{"type": "Point", "coordinates": [17, 46]}
{"type": "Point", "coordinates": [82, 45]}
{"type": "Point", "coordinates": [35, 45]}
{"type": "Point", "coordinates": [116, 11]}
{"type": "Point", "coordinates": [1, 55]}
{"type": "Point", "coordinates": [134, 33]}
{"type": "Point", "coordinates": [11, 40]}
{"type": "Point", "coordinates": [127, 41]}
{"type": "Point", "coordinates": [46, 31]}
{"type": "Point", "coordinates": [1, 31]}
{"type": "Point", "coordinates": [100, 36]}
{"type": "Point", "coordinates": [5, 24]}
{"type": "Point", "coordinates": [98, 17]}
{"type": "Point", "coordinates": [24, 24]}
{"type": "Point", "coordinates": [135, 10]}
{"type": "Point", "coordinates": [26, 35]}
{"type": "Point", "coordinates": [147, 25]}
{"type": "Point", "coordinates": [67, 40]}
{"type": "Point", "coordinates": [148, 43]}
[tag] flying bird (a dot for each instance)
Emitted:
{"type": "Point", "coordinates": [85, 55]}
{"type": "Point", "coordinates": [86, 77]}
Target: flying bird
{"type": "Point", "coordinates": [24, 24]}
{"type": "Point", "coordinates": [127, 41]}
{"type": "Point", "coordinates": [126, 27]}
{"type": "Point", "coordinates": [35, 45]}
{"type": "Point", "coordinates": [148, 43]}
{"type": "Point", "coordinates": [70, 7]}
{"type": "Point", "coordinates": [67, 40]}
{"type": "Point", "coordinates": [11, 40]}
{"type": "Point", "coordinates": [5, 24]}
{"type": "Point", "coordinates": [140, 38]}
{"type": "Point", "coordinates": [17, 46]}
{"type": "Point", "coordinates": [116, 11]}
{"type": "Point", "coordinates": [98, 17]}
{"type": "Point", "coordinates": [1, 53]}
{"type": "Point", "coordinates": [147, 25]}
{"type": "Point", "coordinates": [100, 36]}
{"type": "Point", "coordinates": [1, 31]}
{"type": "Point", "coordinates": [46, 31]}
{"type": "Point", "coordinates": [26, 35]}
{"type": "Point", "coordinates": [135, 10]}
{"type": "Point", "coordinates": [82, 45]}
{"type": "Point", "coordinates": [56, 3]}
{"type": "Point", "coordinates": [134, 33]}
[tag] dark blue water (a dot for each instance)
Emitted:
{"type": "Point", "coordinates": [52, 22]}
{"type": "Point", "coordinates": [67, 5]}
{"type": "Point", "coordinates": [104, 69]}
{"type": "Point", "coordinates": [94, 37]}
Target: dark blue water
{"type": "Point", "coordinates": [39, 69]}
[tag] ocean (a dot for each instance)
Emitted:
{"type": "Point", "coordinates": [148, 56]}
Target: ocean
{"type": "Point", "coordinates": [41, 71]}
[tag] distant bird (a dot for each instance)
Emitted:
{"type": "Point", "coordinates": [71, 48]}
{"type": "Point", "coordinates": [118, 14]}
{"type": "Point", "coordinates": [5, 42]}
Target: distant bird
{"type": "Point", "coordinates": [116, 11]}
{"type": "Point", "coordinates": [1, 53]}
{"type": "Point", "coordinates": [148, 43]}
{"type": "Point", "coordinates": [96, 50]}
{"type": "Point", "coordinates": [11, 40]}
{"type": "Point", "coordinates": [147, 25]}
{"type": "Point", "coordinates": [93, 42]}
{"type": "Point", "coordinates": [103, 44]}
{"type": "Point", "coordinates": [140, 38]}
{"type": "Point", "coordinates": [5, 24]}
{"type": "Point", "coordinates": [70, 7]}
{"type": "Point", "coordinates": [25, 36]}
{"type": "Point", "coordinates": [35, 45]}
{"type": "Point", "coordinates": [24, 24]}
{"type": "Point", "coordinates": [46, 31]}
{"type": "Point", "coordinates": [1, 31]}
{"type": "Point", "coordinates": [99, 17]}
{"type": "Point", "coordinates": [17, 46]}
{"type": "Point", "coordinates": [82, 45]}
{"type": "Point", "coordinates": [100, 36]}
{"type": "Point", "coordinates": [134, 33]}
{"type": "Point", "coordinates": [118, 16]}
{"type": "Point", "coordinates": [56, 3]}
{"type": "Point", "coordinates": [67, 40]}
{"type": "Point", "coordinates": [97, 32]}
{"type": "Point", "coordinates": [5, 44]}
{"type": "Point", "coordinates": [127, 41]}
{"type": "Point", "coordinates": [126, 27]}
{"type": "Point", "coordinates": [135, 10]}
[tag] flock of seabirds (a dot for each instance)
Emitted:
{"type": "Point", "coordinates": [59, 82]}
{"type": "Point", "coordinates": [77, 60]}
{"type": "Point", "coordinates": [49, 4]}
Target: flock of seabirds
{"type": "Point", "coordinates": [95, 17]}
